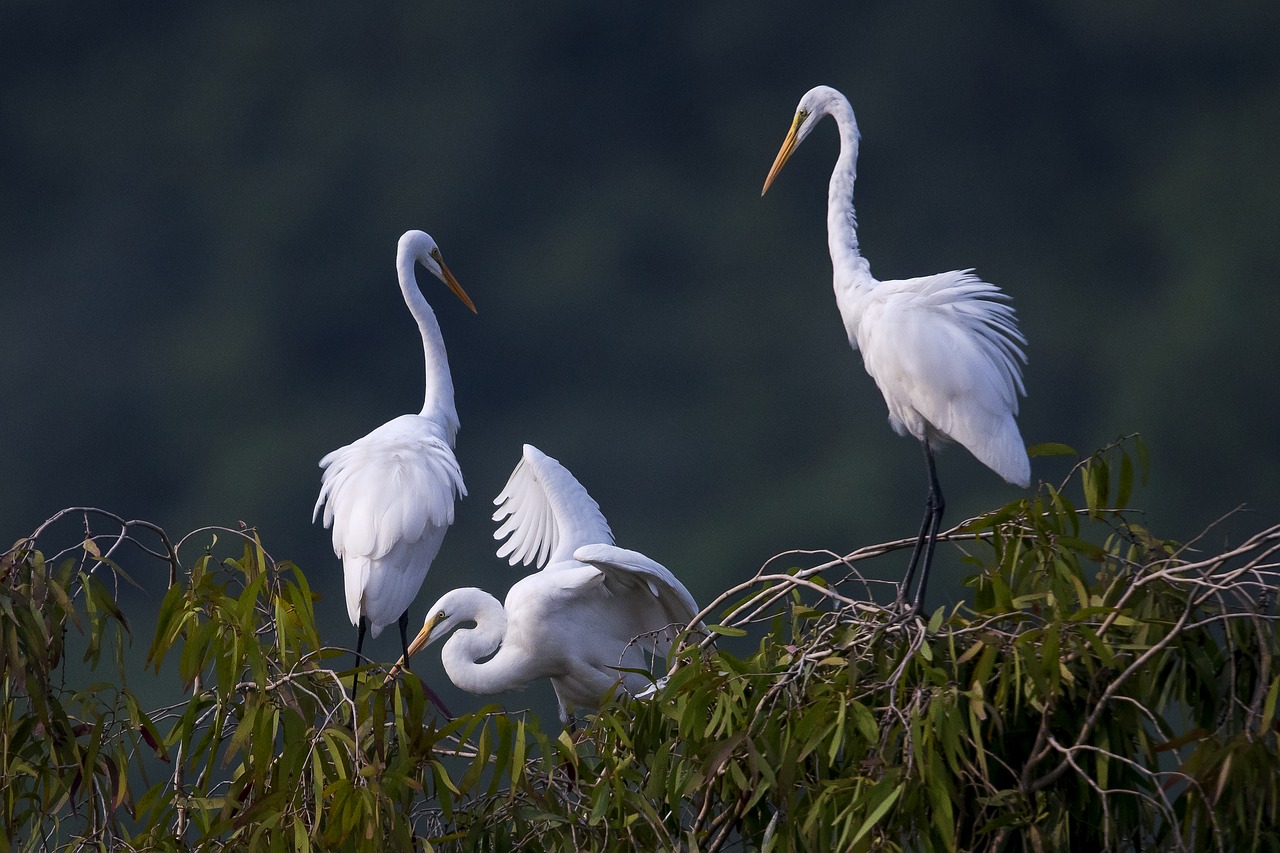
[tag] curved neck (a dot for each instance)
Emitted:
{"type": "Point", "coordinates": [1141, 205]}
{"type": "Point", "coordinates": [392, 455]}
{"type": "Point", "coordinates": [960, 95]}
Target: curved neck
{"type": "Point", "coordinates": [462, 653]}
{"type": "Point", "coordinates": [438, 403]}
{"type": "Point", "coordinates": [842, 223]}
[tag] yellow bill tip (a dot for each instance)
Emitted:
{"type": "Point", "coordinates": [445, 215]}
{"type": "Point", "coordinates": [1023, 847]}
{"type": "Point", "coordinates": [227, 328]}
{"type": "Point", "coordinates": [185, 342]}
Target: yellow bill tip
{"type": "Point", "coordinates": [784, 153]}
{"type": "Point", "coordinates": [457, 288]}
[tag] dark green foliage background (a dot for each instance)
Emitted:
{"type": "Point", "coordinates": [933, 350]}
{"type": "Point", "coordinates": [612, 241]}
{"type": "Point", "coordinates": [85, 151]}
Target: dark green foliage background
{"type": "Point", "coordinates": [200, 205]}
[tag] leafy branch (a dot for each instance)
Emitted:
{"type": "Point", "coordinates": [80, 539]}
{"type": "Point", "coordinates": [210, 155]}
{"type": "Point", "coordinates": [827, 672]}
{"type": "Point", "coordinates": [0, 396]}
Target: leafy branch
{"type": "Point", "coordinates": [1103, 688]}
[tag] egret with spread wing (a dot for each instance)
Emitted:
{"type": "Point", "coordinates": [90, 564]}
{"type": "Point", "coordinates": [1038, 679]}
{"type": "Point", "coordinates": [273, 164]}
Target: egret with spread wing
{"type": "Point", "coordinates": [594, 610]}
{"type": "Point", "coordinates": [945, 349]}
{"type": "Point", "coordinates": [389, 496]}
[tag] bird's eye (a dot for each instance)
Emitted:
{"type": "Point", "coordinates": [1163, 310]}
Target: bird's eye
{"type": "Point", "coordinates": [440, 615]}
{"type": "Point", "coordinates": [435, 253]}
{"type": "Point", "coordinates": [802, 114]}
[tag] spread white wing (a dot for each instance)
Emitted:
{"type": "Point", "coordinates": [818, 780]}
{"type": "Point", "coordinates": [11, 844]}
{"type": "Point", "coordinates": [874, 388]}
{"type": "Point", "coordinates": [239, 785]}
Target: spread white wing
{"type": "Point", "coordinates": [546, 514]}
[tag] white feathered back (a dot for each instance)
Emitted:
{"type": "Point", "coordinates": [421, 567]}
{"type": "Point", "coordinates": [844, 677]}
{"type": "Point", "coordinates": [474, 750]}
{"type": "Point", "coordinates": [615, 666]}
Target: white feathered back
{"type": "Point", "coordinates": [384, 494]}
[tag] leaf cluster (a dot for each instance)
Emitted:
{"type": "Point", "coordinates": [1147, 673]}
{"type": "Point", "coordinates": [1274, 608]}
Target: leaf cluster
{"type": "Point", "coordinates": [1105, 688]}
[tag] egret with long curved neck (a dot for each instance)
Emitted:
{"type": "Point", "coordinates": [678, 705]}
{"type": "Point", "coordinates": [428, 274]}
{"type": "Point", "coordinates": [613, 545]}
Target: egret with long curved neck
{"type": "Point", "coordinates": [944, 349]}
{"type": "Point", "coordinates": [592, 613]}
{"type": "Point", "coordinates": [389, 496]}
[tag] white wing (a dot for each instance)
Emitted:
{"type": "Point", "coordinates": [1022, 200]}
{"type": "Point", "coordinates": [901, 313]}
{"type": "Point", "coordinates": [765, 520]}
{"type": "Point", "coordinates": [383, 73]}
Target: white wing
{"type": "Point", "coordinates": [547, 513]}
{"type": "Point", "coordinates": [945, 351]}
{"type": "Point", "coordinates": [648, 586]}
{"type": "Point", "coordinates": [389, 497]}
{"type": "Point", "coordinates": [585, 626]}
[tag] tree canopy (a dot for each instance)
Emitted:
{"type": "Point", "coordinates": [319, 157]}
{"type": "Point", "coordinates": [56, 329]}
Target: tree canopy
{"type": "Point", "coordinates": [1108, 689]}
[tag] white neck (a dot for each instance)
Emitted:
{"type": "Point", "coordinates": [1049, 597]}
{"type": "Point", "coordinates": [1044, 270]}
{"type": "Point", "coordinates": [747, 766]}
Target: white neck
{"type": "Point", "coordinates": [508, 669]}
{"type": "Point", "coordinates": [842, 223]}
{"type": "Point", "coordinates": [438, 402]}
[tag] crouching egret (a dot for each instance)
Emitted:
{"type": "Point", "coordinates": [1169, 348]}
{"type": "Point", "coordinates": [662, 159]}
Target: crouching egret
{"type": "Point", "coordinates": [944, 349]}
{"type": "Point", "coordinates": [593, 609]}
{"type": "Point", "coordinates": [389, 496]}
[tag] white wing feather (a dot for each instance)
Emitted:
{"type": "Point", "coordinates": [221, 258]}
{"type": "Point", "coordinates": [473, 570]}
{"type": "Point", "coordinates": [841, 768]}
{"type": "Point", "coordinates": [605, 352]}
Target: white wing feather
{"type": "Point", "coordinates": [634, 571]}
{"type": "Point", "coordinates": [596, 616]}
{"type": "Point", "coordinates": [545, 513]}
{"type": "Point", "coordinates": [946, 354]}
{"type": "Point", "coordinates": [389, 498]}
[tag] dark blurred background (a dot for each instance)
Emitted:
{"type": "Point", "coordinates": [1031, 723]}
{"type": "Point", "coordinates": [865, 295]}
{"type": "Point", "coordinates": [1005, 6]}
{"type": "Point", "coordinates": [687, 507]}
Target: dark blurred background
{"type": "Point", "coordinates": [200, 206]}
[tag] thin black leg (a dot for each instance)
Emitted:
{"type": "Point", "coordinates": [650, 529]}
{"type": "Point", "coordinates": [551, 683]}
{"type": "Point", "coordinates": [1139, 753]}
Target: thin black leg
{"type": "Point", "coordinates": [362, 625]}
{"type": "Point", "coordinates": [404, 637]}
{"type": "Point", "coordinates": [922, 554]}
{"type": "Point", "coordinates": [916, 552]}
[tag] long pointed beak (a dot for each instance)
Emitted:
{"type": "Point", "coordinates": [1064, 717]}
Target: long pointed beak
{"type": "Point", "coordinates": [423, 638]}
{"type": "Point", "coordinates": [455, 287]}
{"type": "Point", "coordinates": [784, 153]}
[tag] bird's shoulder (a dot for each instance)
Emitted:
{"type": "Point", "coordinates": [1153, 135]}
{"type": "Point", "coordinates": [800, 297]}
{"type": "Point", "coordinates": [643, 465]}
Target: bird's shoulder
{"type": "Point", "coordinates": [558, 586]}
{"type": "Point", "coordinates": [937, 290]}
{"type": "Point", "coordinates": [938, 313]}
{"type": "Point", "coordinates": [400, 440]}
{"type": "Point", "coordinates": [392, 485]}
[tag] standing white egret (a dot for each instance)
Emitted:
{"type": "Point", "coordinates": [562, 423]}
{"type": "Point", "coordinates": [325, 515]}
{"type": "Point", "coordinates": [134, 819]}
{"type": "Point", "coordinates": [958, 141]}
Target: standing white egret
{"type": "Point", "coordinates": [389, 496]}
{"type": "Point", "coordinates": [944, 349]}
{"type": "Point", "coordinates": [593, 609]}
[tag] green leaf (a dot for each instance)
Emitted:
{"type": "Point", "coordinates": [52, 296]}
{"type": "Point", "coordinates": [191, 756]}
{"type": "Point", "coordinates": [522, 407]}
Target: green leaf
{"type": "Point", "coordinates": [1094, 482]}
{"type": "Point", "coordinates": [877, 812]}
{"type": "Point", "coordinates": [1125, 485]}
{"type": "Point", "coordinates": [1269, 707]}
{"type": "Point", "coordinates": [1050, 448]}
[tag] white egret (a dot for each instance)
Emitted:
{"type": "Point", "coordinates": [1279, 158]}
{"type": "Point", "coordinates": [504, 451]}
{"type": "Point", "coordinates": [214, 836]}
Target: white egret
{"type": "Point", "coordinates": [945, 349]}
{"type": "Point", "coordinates": [389, 496]}
{"type": "Point", "coordinates": [593, 609]}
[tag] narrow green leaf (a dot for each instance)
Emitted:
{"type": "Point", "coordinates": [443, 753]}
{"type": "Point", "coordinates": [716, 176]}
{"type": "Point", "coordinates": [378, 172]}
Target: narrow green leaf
{"type": "Point", "coordinates": [1050, 448]}
{"type": "Point", "coordinates": [1124, 486]}
{"type": "Point", "coordinates": [1094, 481]}
{"type": "Point", "coordinates": [876, 813]}
{"type": "Point", "coordinates": [1269, 707]}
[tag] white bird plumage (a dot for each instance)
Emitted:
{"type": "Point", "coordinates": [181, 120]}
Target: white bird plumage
{"type": "Point", "coordinates": [945, 349]}
{"type": "Point", "coordinates": [389, 496]}
{"type": "Point", "coordinates": [594, 608]}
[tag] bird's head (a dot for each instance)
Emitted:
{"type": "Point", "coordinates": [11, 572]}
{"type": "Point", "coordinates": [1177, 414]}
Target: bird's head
{"type": "Point", "coordinates": [441, 620]}
{"type": "Point", "coordinates": [454, 608]}
{"type": "Point", "coordinates": [451, 611]}
{"type": "Point", "coordinates": [816, 103]}
{"type": "Point", "coordinates": [419, 246]}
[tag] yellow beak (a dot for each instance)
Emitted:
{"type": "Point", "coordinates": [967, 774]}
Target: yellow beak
{"type": "Point", "coordinates": [788, 146]}
{"type": "Point", "coordinates": [455, 287]}
{"type": "Point", "coordinates": [424, 636]}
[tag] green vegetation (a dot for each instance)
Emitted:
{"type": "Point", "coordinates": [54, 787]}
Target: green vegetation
{"type": "Point", "coordinates": [1107, 689]}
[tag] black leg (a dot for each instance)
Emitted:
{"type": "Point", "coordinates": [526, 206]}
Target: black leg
{"type": "Point", "coordinates": [404, 637]}
{"type": "Point", "coordinates": [916, 552]}
{"type": "Point", "coordinates": [361, 626]}
{"type": "Point", "coordinates": [925, 542]}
